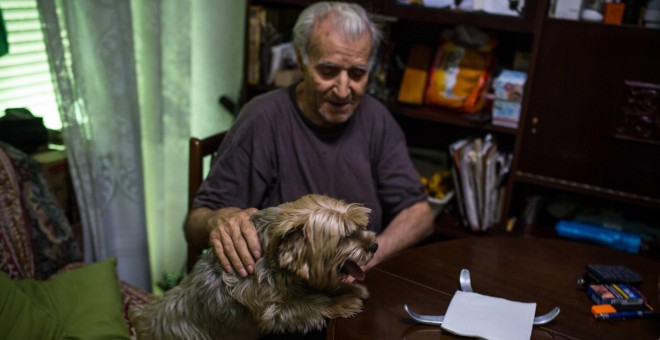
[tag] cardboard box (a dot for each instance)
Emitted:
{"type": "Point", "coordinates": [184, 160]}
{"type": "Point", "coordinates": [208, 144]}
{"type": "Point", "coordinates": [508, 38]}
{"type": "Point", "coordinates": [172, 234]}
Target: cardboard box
{"type": "Point", "coordinates": [510, 85]}
{"type": "Point", "coordinates": [566, 9]}
{"type": "Point", "coordinates": [285, 78]}
{"type": "Point", "coordinates": [55, 170]}
{"type": "Point", "coordinates": [508, 89]}
{"type": "Point", "coordinates": [615, 294]}
{"type": "Point", "coordinates": [506, 113]}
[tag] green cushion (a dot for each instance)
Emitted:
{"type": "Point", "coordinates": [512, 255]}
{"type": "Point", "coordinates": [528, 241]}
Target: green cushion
{"type": "Point", "coordinates": [19, 316]}
{"type": "Point", "coordinates": [86, 301]}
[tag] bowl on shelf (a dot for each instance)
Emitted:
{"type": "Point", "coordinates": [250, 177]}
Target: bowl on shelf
{"type": "Point", "coordinates": [438, 204]}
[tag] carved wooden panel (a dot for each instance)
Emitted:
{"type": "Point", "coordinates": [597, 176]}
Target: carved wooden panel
{"type": "Point", "coordinates": [640, 113]}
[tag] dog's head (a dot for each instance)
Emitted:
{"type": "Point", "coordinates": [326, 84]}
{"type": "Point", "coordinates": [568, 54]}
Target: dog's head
{"type": "Point", "coordinates": [318, 238]}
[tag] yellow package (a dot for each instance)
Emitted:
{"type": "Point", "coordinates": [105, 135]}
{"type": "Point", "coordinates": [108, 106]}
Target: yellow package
{"type": "Point", "coordinates": [415, 75]}
{"type": "Point", "coordinates": [458, 77]}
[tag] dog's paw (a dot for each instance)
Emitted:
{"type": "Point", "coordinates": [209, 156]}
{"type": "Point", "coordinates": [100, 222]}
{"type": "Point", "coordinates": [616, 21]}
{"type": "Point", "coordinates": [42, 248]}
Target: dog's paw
{"type": "Point", "coordinates": [351, 302]}
{"type": "Point", "coordinates": [361, 291]}
{"type": "Point", "coordinates": [346, 307]}
{"type": "Point", "coordinates": [356, 290]}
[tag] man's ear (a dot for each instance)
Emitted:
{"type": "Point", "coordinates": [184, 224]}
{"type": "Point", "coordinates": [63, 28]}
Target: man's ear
{"type": "Point", "coordinates": [299, 59]}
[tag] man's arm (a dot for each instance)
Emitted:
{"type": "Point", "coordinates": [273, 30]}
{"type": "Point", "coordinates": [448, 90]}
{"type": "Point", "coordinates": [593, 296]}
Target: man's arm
{"type": "Point", "coordinates": [408, 227]}
{"type": "Point", "coordinates": [231, 233]}
{"type": "Point", "coordinates": [196, 228]}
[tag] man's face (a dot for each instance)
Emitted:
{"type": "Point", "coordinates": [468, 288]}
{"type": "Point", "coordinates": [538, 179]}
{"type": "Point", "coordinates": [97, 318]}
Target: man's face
{"type": "Point", "coordinates": [335, 76]}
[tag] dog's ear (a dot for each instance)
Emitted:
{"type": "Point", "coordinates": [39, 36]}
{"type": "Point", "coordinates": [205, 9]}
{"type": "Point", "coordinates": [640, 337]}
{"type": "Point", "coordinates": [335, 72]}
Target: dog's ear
{"type": "Point", "coordinates": [292, 253]}
{"type": "Point", "coordinates": [283, 239]}
{"type": "Point", "coordinates": [308, 246]}
{"type": "Point", "coordinates": [271, 228]}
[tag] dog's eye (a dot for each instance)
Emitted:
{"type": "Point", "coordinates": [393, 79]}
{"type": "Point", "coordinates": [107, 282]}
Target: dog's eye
{"type": "Point", "coordinates": [351, 237]}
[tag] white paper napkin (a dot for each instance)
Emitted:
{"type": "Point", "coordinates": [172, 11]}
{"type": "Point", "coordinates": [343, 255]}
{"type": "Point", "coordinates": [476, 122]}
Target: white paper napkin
{"type": "Point", "coordinates": [472, 314]}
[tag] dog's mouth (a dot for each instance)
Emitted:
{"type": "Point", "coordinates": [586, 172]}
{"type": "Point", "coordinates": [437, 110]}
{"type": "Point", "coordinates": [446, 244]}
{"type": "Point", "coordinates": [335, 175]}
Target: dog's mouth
{"type": "Point", "coordinates": [353, 269]}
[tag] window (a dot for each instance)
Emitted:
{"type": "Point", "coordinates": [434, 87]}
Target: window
{"type": "Point", "coordinates": [25, 78]}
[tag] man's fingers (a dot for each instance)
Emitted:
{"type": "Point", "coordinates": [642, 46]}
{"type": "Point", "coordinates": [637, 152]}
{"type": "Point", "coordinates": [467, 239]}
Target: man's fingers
{"type": "Point", "coordinates": [224, 261]}
{"type": "Point", "coordinates": [249, 234]}
{"type": "Point", "coordinates": [234, 248]}
{"type": "Point", "coordinates": [235, 241]}
{"type": "Point", "coordinates": [216, 242]}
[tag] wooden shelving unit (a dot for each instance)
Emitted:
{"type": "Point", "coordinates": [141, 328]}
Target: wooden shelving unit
{"type": "Point", "coordinates": [574, 100]}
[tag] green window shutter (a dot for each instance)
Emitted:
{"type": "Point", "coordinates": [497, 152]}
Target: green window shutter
{"type": "Point", "coordinates": [4, 46]}
{"type": "Point", "coordinates": [25, 78]}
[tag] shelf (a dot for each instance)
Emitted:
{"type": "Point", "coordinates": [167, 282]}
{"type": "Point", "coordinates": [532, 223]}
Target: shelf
{"type": "Point", "coordinates": [373, 6]}
{"type": "Point", "coordinates": [297, 3]}
{"type": "Point", "coordinates": [599, 27]}
{"type": "Point", "coordinates": [454, 17]}
{"type": "Point", "coordinates": [586, 189]}
{"type": "Point", "coordinates": [429, 113]}
{"type": "Point", "coordinates": [436, 15]}
{"type": "Point", "coordinates": [445, 116]}
{"type": "Point", "coordinates": [564, 119]}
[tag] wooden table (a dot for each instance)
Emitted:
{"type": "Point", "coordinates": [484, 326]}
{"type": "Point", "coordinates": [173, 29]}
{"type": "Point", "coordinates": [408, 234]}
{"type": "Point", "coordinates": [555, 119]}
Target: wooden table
{"type": "Point", "coordinates": [538, 270]}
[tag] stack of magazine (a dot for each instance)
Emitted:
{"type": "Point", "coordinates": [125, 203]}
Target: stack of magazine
{"type": "Point", "coordinates": [479, 172]}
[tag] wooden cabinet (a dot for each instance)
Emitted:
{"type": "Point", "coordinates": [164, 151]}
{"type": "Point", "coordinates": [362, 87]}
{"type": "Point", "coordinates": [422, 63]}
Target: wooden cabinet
{"type": "Point", "coordinates": [593, 122]}
{"type": "Point", "coordinates": [590, 120]}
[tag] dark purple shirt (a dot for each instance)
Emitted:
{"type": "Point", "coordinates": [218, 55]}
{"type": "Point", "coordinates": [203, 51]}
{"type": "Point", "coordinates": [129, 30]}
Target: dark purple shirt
{"type": "Point", "coordinates": [272, 155]}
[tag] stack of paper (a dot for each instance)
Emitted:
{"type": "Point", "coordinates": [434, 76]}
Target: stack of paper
{"type": "Point", "coordinates": [479, 170]}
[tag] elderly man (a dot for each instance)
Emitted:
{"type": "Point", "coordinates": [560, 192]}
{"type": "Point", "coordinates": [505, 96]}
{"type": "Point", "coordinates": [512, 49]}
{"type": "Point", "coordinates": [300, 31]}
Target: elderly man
{"type": "Point", "coordinates": [322, 135]}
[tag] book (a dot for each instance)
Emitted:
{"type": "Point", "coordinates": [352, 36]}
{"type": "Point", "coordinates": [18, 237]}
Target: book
{"type": "Point", "coordinates": [456, 152]}
{"type": "Point", "coordinates": [479, 170]}
{"type": "Point", "coordinates": [615, 294]}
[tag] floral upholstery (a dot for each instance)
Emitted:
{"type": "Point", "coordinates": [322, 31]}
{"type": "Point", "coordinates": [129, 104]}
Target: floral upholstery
{"type": "Point", "coordinates": [36, 239]}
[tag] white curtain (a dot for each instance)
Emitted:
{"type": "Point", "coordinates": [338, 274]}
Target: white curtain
{"type": "Point", "coordinates": [124, 81]}
{"type": "Point", "coordinates": [91, 48]}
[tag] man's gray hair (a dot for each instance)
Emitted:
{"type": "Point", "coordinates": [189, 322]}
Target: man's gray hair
{"type": "Point", "coordinates": [351, 20]}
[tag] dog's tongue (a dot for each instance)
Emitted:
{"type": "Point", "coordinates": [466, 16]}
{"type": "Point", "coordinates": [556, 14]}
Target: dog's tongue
{"type": "Point", "coordinates": [354, 270]}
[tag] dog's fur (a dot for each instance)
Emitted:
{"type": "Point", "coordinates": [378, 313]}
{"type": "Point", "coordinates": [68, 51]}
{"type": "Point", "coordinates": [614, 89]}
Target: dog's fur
{"type": "Point", "coordinates": [310, 246]}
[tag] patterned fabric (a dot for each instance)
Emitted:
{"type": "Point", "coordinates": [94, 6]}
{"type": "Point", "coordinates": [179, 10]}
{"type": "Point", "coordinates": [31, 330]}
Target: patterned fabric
{"type": "Point", "coordinates": [133, 296]}
{"type": "Point", "coordinates": [15, 247]}
{"type": "Point", "coordinates": [36, 239]}
{"type": "Point", "coordinates": [32, 212]}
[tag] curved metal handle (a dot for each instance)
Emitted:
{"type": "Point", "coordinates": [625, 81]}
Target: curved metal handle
{"type": "Point", "coordinates": [435, 320]}
{"type": "Point", "coordinates": [466, 286]}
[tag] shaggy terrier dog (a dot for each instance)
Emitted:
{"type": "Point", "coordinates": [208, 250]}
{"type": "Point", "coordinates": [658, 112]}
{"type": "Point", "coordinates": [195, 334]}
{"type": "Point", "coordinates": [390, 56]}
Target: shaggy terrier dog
{"type": "Point", "coordinates": [310, 247]}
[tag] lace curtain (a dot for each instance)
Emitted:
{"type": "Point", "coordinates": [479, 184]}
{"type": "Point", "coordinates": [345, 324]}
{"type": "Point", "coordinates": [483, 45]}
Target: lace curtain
{"type": "Point", "coordinates": [124, 81]}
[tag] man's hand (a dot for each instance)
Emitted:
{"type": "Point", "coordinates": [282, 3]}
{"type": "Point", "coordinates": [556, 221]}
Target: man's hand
{"type": "Point", "coordinates": [410, 226]}
{"type": "Point", "coordinates": [234, 239]}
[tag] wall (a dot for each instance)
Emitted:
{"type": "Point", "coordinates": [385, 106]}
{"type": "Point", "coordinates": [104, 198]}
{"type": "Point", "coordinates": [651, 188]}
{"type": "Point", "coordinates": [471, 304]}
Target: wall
{"type": "Point", "coordinates": [217, 61]}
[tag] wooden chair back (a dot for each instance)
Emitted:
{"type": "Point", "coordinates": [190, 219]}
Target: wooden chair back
{"type": "Point", "coordinates": [199, 149]}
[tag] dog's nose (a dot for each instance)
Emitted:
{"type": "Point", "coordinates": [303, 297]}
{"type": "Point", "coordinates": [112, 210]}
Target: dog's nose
{"type": "Point", "coordinates": [373, 247]}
